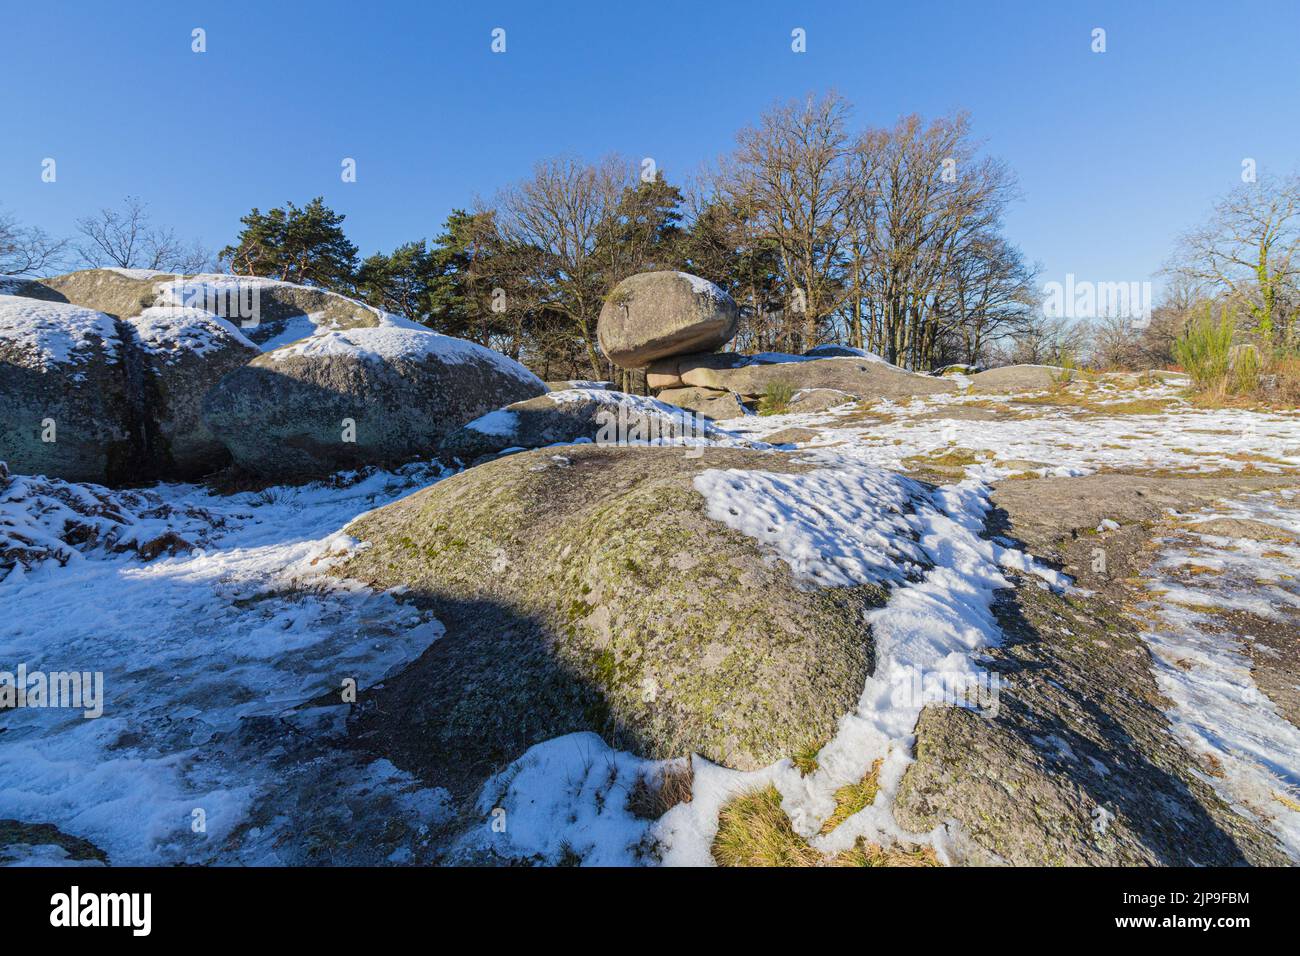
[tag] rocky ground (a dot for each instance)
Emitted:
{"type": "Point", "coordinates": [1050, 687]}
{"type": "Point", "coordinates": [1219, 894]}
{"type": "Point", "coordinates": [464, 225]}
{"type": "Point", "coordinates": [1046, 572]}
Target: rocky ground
{"type": "Point", "coordinates": [596, 654]}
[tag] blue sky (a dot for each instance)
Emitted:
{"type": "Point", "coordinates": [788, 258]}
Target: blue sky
{"type": "Point", "coordinates": [1116, 153]}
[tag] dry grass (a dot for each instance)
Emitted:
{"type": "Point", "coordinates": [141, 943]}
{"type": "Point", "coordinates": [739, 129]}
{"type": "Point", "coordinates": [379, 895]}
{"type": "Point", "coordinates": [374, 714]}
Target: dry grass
{"type": "Point", "coordinates": [872, 854]}
{"type": "Point", "coordinates": [949, 458]}
{"type": "Point", "coordinates": [650, 799]}
{"type": "Point", "coordinates": [753, 830]}
{"type": "Point", "coordinates": [805, 758]}
{"type": "Point", "coordinates": [854, 797]}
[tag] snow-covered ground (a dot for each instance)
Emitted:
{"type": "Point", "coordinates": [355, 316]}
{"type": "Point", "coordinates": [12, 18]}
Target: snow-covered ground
{"type": "Point", "coordinates": [190, 646]}
{"type": "Point", "coordinates": [225, 665]}
{"type": "Point", "coordinates": [1250, 751]}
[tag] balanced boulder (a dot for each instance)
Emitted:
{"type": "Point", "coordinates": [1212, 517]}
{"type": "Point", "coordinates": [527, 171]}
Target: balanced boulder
{"type": "Point", "coordinates": [343, 399]}
{"type": "Point", "coordinates": [656, 314]}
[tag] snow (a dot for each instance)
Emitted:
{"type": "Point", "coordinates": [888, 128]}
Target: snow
{"type": "Point", "coordinates": [501, 423]}
{"type": "Point", "coordinates": [1203, 668]}
{"type": "Point", "coordinates": [396, 338]}
{"type": "Point", "coordinates": [55, 333]}
{"type": "Point", "coordinates": [704, 287]}
{"type": "Point", "coordinates": [192, 647]}
{"type": "Point", "coordinates": [220, 660]}
{"type": "Point", "coordinates": [172, 333]}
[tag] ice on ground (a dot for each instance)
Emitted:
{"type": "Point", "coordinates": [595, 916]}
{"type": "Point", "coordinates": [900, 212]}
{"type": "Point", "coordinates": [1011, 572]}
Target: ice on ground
{"type": "Point", "coordinates": [55, 333]}
{"type": "Point", "coordinates": [197, 651]}
{"type": "Point", "coordinates": [1202, 666]}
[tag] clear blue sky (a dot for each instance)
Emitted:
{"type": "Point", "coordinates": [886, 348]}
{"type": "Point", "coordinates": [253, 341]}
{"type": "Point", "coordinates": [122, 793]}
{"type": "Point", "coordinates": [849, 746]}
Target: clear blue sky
{"type": "Point", "coordinates": [1116, 152]}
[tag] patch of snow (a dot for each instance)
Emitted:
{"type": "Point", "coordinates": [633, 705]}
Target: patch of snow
{"type": "Point", "coordinates": [172, 333]}
{"type": "Point", "coordinates": [398, 338]}
{"type": "Point", "coordinates": [1202, 666]}
{"type": "Point", "coordinates": [501, 423]}
{"type": "Point", "coordinates": [55, 333]}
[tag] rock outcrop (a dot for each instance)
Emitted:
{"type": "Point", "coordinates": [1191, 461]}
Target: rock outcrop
{"type": "Point", "coordinates": [577, 416]}
{"type": "Point", "coordinates": [185, 353]}
{"type": "Point", "coordinates": [344, 399]}
{"type": "Point", "coordinates": [587, 589]}
{"type": "Point", "coordinates": [65, 392]}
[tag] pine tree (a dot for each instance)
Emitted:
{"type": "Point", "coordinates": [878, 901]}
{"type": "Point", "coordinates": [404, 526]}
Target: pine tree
{"type": "Point", "coordinates": [304, 245]}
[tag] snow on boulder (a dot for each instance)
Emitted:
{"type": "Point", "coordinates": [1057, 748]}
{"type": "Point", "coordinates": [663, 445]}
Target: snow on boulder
{"type": "Point", "coordinates": [270, 312]}
{"type": "Point", "coordinates": [579, 416]}
{"type": "Point", "coordinates": [342, 399]}
{"type": "Point", "coordinates": [185, 352]}
{"type": "Point", "coordinates": [64, 391]}
{"type": "Point", "coordinates": [653, 315]}
{"type": "Point", "coordinates": [588, 589]}
{"type": "Point", "coordinates": [832, 350]}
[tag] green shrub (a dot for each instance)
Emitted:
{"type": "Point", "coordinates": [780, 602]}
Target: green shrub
{"type": "Point", "coordinates": [1204, 349]}
{"type": "Point", "coordinates": [776, 398]}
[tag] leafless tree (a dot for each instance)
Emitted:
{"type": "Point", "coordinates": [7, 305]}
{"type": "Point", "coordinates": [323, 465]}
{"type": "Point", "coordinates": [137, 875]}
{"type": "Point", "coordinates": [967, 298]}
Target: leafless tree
{"type": "Point", "coordinates": [787, 178]}
{"type": "Point", "coordinates": [28, 250]}
{"type": "Point", "coordinates": [1247, 251]}
{"type": "Point", "coordinates": [128, 239]}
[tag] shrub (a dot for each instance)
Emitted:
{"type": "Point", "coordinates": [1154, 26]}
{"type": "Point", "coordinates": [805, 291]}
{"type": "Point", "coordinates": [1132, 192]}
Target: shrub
{"type": "Point", "coordinates": [1204, 348]}
{"type": "Point", "coordinates": [776, 398]}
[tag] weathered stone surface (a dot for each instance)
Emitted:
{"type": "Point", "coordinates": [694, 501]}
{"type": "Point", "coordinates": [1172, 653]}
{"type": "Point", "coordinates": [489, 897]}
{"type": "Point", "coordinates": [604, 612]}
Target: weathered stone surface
{"type": "Point", "coordinates": [65, 393]}
{"type": "Point", "coordinates": [1079, 765]}
{"type": "Point", "coordinates": [1021, 378]}
{"type": "Point", "coordinates": [858, 377]}
{"type": "Point", "coordinates": [717, 405]}
{"type": "Point", "coordinates": [667, 372]}
{"type": "Point", "coordinates": [593, 593]}
{"type": "Point", "coordinates": [818, 400]}
{"type": "Point", "coordinates": [572, 415]}
{"type": "Point", "coordinates": [365, 396]}
{"type": "Point", "coordinates": [656, 314]}
{"type": "Point", "coordinates": [184, 353]}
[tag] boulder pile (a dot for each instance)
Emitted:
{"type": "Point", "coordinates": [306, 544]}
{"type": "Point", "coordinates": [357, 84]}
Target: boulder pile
{"type": "Point", "coordinates": [121, 376]}
{"type": "Point", "coordinates": [670, 323]}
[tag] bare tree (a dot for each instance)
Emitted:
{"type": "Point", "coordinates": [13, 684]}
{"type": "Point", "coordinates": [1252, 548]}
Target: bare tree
{"type": "Point", "coordinates": [128, 239]}
{"type": "Point", "coordinates": [787, 177]}
{"type": "Point", "coordinates": [27, 250]}
{"type": "Point", "coordinates": [551, 224]}
{"type": "Point", "coordinates": [1247, 251]}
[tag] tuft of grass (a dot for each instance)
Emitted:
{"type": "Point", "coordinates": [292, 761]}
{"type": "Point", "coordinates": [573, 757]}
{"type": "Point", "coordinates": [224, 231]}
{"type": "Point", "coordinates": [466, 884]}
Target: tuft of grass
{"type": "Point", "coordinates": [651, 798]}
{"type": "Point", "coordinates": [776, 398]}
{"type": "Point", "coordinates": [753, 830]}
{"type": "Point", "coordinates": [854, 797]}
{"type": "Point", "coordinates": [872, 854]}
{"type": "Point", "coordinates": [805, 758]}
